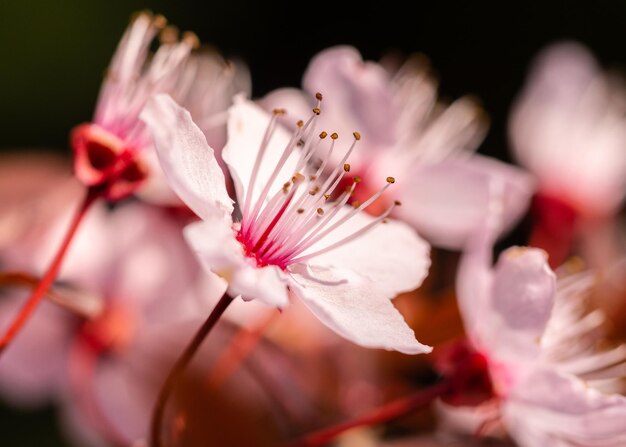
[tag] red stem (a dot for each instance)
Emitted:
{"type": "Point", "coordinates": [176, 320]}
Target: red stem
{"type": "Point", "coordinates": [180, 366]}
{"type": "Point", "coordinates": [382, 414]}
{"type": "Point", "coordinates": [46, 281]}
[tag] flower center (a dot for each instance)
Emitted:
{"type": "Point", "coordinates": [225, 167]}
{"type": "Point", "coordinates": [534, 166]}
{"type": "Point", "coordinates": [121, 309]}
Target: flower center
{"type": "Point", "coordinates": [472, 381]}
{"type": "Point", "coordinates": [310, 214]}
{"type": "Point", "coordinates": [102, 160]}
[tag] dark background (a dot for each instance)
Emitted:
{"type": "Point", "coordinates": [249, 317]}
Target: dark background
{"type": "Point", "coordinates": [53, 54]}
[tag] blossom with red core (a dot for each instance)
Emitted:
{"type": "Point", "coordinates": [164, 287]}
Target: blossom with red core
{"type": "Point", "coordinates": [426, 144]}
{"type": "Point", "coordinates": [113, 153]}
{"type": "Point", "coordinates": [292, 238]}
{"type": "Point", "coordinates": [552, 384]}
{"type": "Point", "coordinates": [568, 128]}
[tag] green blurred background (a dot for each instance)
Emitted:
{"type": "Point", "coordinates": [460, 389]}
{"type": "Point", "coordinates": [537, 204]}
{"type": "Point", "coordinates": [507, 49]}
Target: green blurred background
{"type": "Point", "coordinates": [53, 54]}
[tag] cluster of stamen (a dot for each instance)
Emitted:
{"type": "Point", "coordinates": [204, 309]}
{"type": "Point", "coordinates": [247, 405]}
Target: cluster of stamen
{"type": "Point", "coordinates": [291, 225]}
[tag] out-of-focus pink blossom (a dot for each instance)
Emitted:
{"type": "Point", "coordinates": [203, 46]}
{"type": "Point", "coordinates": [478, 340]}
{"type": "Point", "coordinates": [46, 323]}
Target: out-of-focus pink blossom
{"type": "Point", "coordinates": [552, 384]}
{"type": "Point", "coordinates": [410, 134]}
{"type": "Point", "coordinates": [568, 127]}
{"type": "Point", "coordinates": [123, 387]}
{"type": "Point", "coordinates": [114, 151]}
{"type": "Point", "coordinates": [134, 266]}
{"type": "Point", "coordinates": [292, 239]}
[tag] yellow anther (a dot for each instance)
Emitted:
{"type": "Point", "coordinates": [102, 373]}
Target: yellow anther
{"type": "Point", "coordinates": [356, 204]}
{"type": "Point", "coordinates": [357, 136]}
{"type": "Point", "coordinates": [300, 123]}
{"type": "Point", "coordinates": [320, 211]}
{"type": "Point", "coordinates": [168, 35]}
{"type": "Point", "coordinates": [323, 135]}
{"type": "Point", "coordinates": [317, 111]}
{"type": "Point", "coordinates": [318, 96]}
{"type": "Point", "coordinates": [159, 21]}
{"type": "Point", "coordinates": [279, 111]}
{"type": "Point", "coordinates": [357, 179]}
{"type": "Point", "coordinates": [391, 180]}
{"type": "Point", "coordinates": [334, 135]}
{"type": "Point", "coordinates": [346, 167]}
{"type": "Point", "coordinates": [191, 39]}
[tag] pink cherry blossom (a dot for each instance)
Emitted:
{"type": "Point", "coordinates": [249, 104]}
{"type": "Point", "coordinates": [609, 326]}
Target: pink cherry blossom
{"type": "Point", "coordinates": [292, 238]}
{"type": "Point", "coordinates": [113, 152]}
{"type": "Point", "coordinates": [552, 384]}
{"type": "Point", "coordinates": [568, 128]}
{"type": "Point", "coordinates": [408, 131]}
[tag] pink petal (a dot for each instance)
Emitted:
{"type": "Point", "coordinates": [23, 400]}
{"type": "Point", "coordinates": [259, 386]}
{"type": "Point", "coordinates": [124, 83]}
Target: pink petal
{"type": "Point", "coordinates": [151, 264]}
{"type": "Point", "coordinates": [447, 201]}
{"type": "Point", "coordinates": [186, 158]}
{"type": "Point", "coordinates": [357, 95]}
{"type": "Point", "coordinates": [247, 125]}
{"type": "Point", "coordinates": [522, 298]}
{"type": "Point", "coordinates": [215, 245]}
{"type": "Point", "coordinates": [32, 370]}
{"type": "Point", "coordinates": [562, 410]}
{"type": "Point", "coordinates": [296, 102]}
{"type": "Point", "coordinates": [356, 308]}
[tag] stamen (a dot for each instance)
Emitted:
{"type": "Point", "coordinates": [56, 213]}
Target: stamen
{"type": "Point", "coordinates": [347, 239]}
{"type": "Point", "coordinates": [310, 240]}
{"type": "Point", "coordinates": [281, 162]}
{"type": "Point", "coordinates": [279, 231]}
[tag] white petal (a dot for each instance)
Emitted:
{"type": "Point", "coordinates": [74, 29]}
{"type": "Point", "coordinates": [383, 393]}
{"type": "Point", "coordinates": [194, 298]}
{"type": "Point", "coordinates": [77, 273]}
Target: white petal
{"type": "Point", "coordinates": [186, 158]}
{"type": "Point", "coordinates": [219, 251]}
{"type": "Point", "coordinates": [447, 201]}
{"type": "Point", "coordinates": [391, 254]}
{"type": "Point", "coordinates": [247, 125]}
{"type": "Point", "coordinates": [356, 308]}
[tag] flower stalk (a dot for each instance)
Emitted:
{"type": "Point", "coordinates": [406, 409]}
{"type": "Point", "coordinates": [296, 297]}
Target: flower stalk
{"type": "Point", "coordinates": [390, 411]}
{"type": "Point", "coordinates": [156, 425]}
